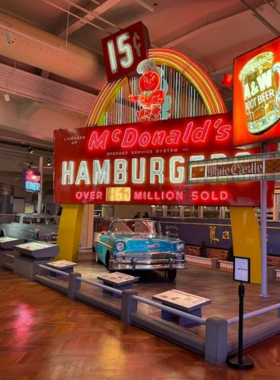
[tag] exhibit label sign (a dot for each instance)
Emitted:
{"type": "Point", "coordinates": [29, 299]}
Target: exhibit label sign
{"type": "Point", "coordinates": [186, 300]}
{"type": "Point", "coordinates": [257, 167]}
{"type": "Point", "coordinates": [241, 269]}
{"type": "Point", "coordinates": [256, 115]}
{"type": "Point", "coordinates": [146, 163]}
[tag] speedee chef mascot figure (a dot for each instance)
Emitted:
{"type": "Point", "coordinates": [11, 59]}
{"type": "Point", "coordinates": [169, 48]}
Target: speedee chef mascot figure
{"type": "Point", "coordinates": [152, 98]}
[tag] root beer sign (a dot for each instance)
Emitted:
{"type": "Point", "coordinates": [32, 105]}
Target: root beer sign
{"type": "Point", "coordinates": [146, 163]}
{"type": "Point", "coordinates": [256, 115]}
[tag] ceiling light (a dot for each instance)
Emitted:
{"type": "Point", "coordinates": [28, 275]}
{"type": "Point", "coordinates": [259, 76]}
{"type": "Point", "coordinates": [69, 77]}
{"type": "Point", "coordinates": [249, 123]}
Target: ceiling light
{"type": "Point", "coordinates": [48, 161]}
{"type": "Point", "coordinates": [30, 149]}
{"type": "Point", "coordinates": [7, 97]}
{"type": "Point", "coordinates": [9, 38]}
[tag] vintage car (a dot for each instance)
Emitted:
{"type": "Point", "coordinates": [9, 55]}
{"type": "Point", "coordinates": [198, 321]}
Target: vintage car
{"type": "Point", "coordinates": [138, 244]}
{"type": "Point", "coordinates": [42, 227]}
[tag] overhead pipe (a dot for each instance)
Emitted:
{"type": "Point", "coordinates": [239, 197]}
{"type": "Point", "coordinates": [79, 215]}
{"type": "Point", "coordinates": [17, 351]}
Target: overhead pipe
{"type": "Point", "coordinates": [46, 51]}
{"type": "Point", "coordinates": [262, 19]}
{"type": "Point", "coordinates": [274, 8]}
{"type": "Point", "coordinates": [92, 13]}
{"type": "Point", "coordinates": [83, 21]}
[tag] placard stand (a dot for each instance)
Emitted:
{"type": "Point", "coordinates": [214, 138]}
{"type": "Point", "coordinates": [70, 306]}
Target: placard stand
{"type": "Point", "coordinates": [241, 272]}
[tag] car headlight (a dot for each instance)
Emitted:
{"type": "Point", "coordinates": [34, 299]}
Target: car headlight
{"type": "Point", "coordinates": [119, 246]}
{"type": "Point", "coordinates": [180, 246]}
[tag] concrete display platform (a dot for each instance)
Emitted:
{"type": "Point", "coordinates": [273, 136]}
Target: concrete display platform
{"type": "Point", "coordinates": [7, 243]}
{"type": "Point", "coordinates": [216, 285]}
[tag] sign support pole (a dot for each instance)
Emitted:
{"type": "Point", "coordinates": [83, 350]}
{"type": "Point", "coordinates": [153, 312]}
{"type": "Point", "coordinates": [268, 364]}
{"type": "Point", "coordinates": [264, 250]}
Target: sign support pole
{"type": "Point", "coordinates": [40, 194]}
{"type": "Point", "coordinates": [264, 232]}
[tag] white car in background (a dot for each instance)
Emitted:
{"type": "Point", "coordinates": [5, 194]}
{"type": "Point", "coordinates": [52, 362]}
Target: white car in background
{"type": "Point", "coordinates": [42, 227]}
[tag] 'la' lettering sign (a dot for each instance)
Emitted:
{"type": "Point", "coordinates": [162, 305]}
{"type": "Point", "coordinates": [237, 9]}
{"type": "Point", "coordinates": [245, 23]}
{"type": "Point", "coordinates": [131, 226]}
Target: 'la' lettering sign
{"type": "Point", "coordinates": [146, 163]}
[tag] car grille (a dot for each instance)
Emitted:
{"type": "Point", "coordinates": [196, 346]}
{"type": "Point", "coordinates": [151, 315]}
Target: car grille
{"type": "Point", "coordinates": [149, 256]}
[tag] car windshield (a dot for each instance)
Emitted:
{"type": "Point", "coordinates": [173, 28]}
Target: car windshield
{"type": "Point", "coordinates": [47, 221]}
{"type": "Point", "coordinates": [135, 227]}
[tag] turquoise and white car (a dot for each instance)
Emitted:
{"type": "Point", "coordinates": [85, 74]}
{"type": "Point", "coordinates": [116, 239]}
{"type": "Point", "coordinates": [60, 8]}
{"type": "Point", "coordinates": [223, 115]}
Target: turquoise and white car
{"type": "Point", "coordinates": [138, 244]}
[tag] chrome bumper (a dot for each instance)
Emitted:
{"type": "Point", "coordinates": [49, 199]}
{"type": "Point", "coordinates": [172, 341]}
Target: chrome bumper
{"type": "Point", "coordinates": [135, 264]}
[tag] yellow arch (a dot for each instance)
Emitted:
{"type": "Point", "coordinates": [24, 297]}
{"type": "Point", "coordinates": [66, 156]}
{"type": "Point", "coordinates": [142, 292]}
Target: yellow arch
{"type": "Point", "coordinates": [243, 220]}
{"type": "Point", "coordinates": [187, 67]}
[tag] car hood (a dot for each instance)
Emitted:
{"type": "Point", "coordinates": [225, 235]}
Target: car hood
{"type": "Point", "coordinates": [146, 242]}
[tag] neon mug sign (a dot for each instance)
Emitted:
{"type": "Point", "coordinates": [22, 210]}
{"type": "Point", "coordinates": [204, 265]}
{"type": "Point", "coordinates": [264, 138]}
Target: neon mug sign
{"type": "Point", "coordinates": [261, 96]}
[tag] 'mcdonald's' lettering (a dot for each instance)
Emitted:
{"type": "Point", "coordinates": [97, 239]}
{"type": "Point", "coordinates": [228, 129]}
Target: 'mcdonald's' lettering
{"type": "Point", "coordinates": [96, 142]}
{"type": "Point", "coordinates": [133, 138]}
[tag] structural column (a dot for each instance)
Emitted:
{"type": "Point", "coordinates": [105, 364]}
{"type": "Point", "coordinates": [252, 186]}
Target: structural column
{"type": "Point", "coordinates": [87, 227]}
{"type": "Point", "coordinates": [40, 194]}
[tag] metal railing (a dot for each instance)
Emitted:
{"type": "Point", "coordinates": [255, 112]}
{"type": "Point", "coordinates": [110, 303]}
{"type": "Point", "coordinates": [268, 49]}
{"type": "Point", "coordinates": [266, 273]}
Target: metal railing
{"type": "Point", "coordinates": [136, 298]}
{"type": "Point", "coordinates": [9, 255]}
{"type": "Point", "coordinates": [205, 261]}
{"type": "Point", "coordinates": [170, 310]}
{"type": "Point", "coordinates": [227, 265]}
{"type": "Point", "coordinates": [6, 264]}
{"type": "Point", "coordinates": [105, 287]}
{"type": "Point", "coordinates": [254, 313]}
{"type": "Point", "coordinates": [54, 270]}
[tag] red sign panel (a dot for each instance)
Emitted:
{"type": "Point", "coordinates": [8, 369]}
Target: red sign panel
{"type": "Point", "coordinates": [256, 116]}
{"type": "Point", "coordinates": [146, 163]}
{"type": "Point", "coordinates": [124, 50]}
{"type": "Point", "coordinates": [31, 181]}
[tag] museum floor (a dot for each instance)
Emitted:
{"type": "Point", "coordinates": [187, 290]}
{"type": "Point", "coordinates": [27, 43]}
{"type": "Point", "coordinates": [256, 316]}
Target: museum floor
{"type": "Point", "coordinates": [216, 285]}
{"type": "Point", "coordinates": [44, 335]}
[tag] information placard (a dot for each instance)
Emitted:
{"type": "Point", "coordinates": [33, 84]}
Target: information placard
{"type": "Point", "coordinates": [182, 299]}
{"type": "Point", "coordinates": [241, 269]}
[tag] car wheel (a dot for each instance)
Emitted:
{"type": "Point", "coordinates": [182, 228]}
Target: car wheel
{"type": "Point", "coordinates": [107, 260]}
{"type": "Point", "coordinates": [2, 234]}
{"type": "Point", "coordinates": [172, 273]}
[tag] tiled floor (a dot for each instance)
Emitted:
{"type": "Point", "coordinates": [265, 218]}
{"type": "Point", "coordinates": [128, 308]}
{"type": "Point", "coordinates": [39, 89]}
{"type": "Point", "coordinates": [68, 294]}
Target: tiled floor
{"type": "Point", "coordinates": [46, 336]}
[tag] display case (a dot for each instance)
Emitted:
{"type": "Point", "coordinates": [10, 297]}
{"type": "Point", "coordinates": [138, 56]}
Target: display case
{"type": "Point", "coordinates": [38, 250]}
{"type": "Point", "coordinates": [8, 243]}
{"type": "Point", "coordinates": [33, 254]}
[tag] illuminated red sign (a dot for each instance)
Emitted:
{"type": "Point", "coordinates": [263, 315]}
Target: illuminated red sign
{"type": "Point", "coordinates": [256, 98]}
{"type": "Point", "coordinates": [124, 50]}
{"type": "Point", "coordinates": [146, 163]}
{"type": "Point", "coordinates": [31, 181]}
{"type": "Point", "coordinates": [152, 99]}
